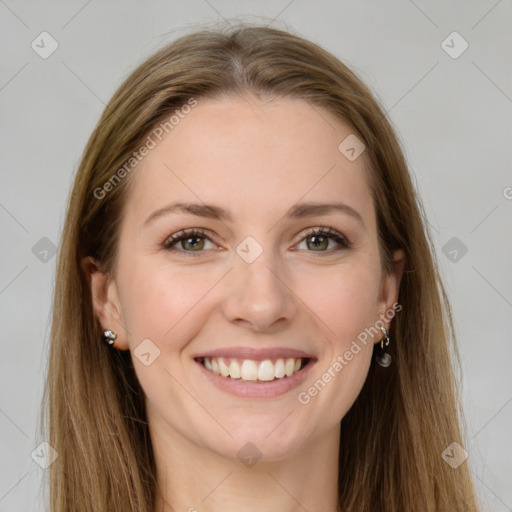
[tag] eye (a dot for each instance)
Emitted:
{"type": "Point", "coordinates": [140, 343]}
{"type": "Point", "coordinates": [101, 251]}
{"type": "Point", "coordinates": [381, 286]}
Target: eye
{"type": "Point", "coordinates": [188, 238]}
{"type": "Point", "coordinates": [194, 240]}
{"type": "Point", "coordinates": [320, 238]}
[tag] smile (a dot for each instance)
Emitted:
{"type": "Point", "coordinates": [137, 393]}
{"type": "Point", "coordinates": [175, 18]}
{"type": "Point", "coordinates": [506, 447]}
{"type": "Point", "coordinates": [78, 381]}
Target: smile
{"type": "Point", "coordinates": [255, 378]}
{"type": "Point", "coordinates": [265, 370]}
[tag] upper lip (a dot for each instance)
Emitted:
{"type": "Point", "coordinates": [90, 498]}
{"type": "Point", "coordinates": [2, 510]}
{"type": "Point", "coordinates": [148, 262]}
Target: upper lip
{"type": "Point", "coordinates": [256, 353]}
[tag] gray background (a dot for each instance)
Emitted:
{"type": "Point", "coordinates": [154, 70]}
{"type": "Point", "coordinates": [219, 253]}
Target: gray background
{"type": "Point", "coordinates": [453, 116]}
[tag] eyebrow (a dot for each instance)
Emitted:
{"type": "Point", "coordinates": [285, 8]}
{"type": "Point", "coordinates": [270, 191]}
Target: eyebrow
{"type": "Point", "coordinates": [211, 211]}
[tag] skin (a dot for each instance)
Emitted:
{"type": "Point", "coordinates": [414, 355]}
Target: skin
{"type": "Point", "coordinates": [257, 159]}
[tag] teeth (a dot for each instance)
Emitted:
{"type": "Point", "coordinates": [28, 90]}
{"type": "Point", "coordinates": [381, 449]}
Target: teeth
{"type": "Point", "coordinates": [266, 370]}
{"type": "Point", "coordinates": [224, 369]}
{"type": "Point", "coordinates": [234, 370]}
{"type": "Point", "coordinates": [289, 366]}
{"type": "Point", "coordinates": [253, 370]}
{"type": "Point", "coordinates": [249, 370]}
{"type": "Point", "coordinates": [279, 369]}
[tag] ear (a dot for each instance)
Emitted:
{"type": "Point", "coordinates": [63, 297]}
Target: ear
{"type": "Point", "coordinates": [105, 301]}
{"type": "Point", "coordinates": [390, 288]}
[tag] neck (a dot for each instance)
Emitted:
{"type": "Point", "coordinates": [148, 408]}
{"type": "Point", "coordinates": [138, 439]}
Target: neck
{"type": "Point", "coordinates": [194, 479]}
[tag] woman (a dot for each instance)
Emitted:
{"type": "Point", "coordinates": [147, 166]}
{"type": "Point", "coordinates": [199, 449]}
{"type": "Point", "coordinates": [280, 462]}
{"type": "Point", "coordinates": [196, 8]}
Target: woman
{"type": "Point", "coordinates": [248, 313]}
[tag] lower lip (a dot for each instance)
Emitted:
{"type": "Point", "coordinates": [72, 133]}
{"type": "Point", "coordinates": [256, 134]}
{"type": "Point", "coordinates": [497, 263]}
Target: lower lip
{"type": "Point", "coordinates": [258, 389]}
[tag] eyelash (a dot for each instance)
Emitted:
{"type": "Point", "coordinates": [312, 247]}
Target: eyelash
{"type": "Point", "coordinates": [202, 233]}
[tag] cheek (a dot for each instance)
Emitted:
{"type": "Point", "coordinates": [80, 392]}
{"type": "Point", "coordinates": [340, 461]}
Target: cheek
{"type": "Point", "coordinates": [345, 300]}
{"type": "Point", "coordinates": [164, 304]}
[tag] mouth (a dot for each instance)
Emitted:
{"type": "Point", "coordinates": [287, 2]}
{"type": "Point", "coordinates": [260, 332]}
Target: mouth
{"type": "Point", "coordinates": [249, 372]}
{"type": "Point", "coordinates": [262, 370]}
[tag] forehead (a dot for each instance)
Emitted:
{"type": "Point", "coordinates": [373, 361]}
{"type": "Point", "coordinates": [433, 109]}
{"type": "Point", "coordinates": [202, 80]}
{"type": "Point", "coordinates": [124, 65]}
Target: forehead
{"type": "Point", "coordinates": [255, 157]}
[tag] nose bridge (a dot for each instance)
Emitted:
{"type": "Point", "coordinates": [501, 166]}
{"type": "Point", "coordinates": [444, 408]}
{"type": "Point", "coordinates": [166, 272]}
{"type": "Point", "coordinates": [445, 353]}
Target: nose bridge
{"type": "Point", "coordinates": [257, 293]}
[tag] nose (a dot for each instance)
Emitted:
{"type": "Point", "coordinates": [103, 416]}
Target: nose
{"type": "Point", "coordinates": [258, 294]}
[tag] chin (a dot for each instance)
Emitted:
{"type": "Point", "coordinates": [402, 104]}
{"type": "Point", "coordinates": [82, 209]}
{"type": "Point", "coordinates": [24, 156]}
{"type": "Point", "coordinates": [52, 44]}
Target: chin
{"type": "Point", "coordinates": [266, 441]}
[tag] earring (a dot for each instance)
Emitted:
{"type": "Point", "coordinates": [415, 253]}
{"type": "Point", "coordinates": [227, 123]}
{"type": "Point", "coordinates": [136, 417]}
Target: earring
{"type": "Point", "coordinates": [384, 358]}
{"type": "Point", "coordinates": [109, 336]}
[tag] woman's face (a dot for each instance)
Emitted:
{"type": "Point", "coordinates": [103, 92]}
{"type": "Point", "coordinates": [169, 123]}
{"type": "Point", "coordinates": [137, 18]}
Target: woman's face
{"type": "Point", "coordinates": [258, 286]}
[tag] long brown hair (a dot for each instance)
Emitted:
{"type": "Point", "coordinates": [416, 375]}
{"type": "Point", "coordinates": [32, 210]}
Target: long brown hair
{"type": "Point", "coordinates": [393, 437]}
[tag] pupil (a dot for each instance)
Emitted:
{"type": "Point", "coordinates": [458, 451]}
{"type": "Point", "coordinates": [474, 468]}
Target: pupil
{"type": "Point", "coordinates": [193, 245]}
{"type": "Point", "coordinates": [316, 237]}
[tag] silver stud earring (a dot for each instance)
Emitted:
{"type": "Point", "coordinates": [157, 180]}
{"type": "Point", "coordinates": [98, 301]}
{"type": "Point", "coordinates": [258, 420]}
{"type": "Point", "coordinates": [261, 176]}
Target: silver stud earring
{"type": "Point", "coordinates": [109, 336]}
{"type": "Point", "coordinates": [384, 358]}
